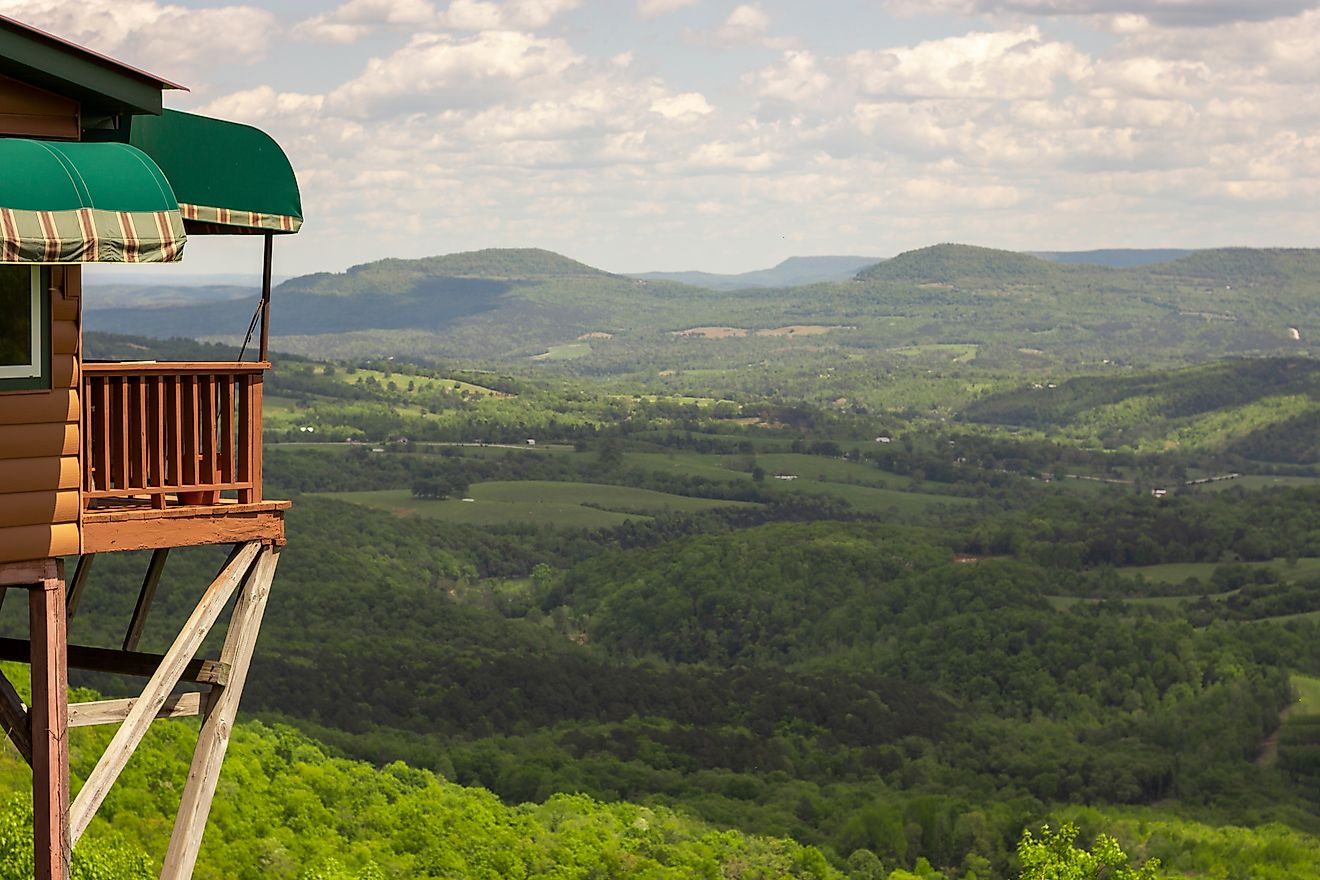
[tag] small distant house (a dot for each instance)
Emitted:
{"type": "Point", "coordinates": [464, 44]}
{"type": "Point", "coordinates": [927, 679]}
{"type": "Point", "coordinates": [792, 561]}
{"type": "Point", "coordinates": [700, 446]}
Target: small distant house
{"type": "Point", "coordinates": [531, 442]}
{"type": "Point", "coordinates": [883, 439]}
{"type": "Point", "coordinates": [1159, 493]}
{"type": "Point", "coordinates": [786, 476]}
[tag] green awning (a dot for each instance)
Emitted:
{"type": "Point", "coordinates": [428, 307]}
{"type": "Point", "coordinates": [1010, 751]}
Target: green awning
{"type": "Point", "coordinates": [85, 203]}
{"type": "Point", "coordinates": [230, 178]}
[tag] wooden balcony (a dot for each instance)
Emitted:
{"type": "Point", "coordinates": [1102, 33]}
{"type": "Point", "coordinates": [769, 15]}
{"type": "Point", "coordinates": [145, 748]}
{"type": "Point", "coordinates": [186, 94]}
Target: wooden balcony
{"type": "Point", "coordinates": [171, 456]}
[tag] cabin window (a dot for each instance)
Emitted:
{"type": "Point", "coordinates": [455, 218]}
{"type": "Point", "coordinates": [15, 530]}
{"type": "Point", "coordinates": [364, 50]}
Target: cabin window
{"type": "Point", "coordinates": [24, 329]}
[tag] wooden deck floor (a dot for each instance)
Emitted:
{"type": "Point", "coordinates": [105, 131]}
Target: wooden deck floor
{"type": "Point", "coordinates": [133, 524]}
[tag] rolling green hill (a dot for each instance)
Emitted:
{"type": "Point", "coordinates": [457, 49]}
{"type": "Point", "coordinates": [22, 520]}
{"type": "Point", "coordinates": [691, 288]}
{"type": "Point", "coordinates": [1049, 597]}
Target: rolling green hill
{"type": "Point", "coordinates": [947, 263]}
{"type": "Point", "coordinates": [1264, 409]}
{"type": "Point", "coordinates": [935, 310]}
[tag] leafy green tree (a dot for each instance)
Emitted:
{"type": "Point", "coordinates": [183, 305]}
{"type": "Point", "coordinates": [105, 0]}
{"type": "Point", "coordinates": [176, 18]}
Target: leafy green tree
{"type": "Point", "coordinates": [1055, 856]}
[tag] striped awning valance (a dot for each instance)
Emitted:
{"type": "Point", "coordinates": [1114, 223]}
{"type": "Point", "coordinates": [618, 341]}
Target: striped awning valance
{"type": "Point", "coordinates": [85, 203]}
{"type": "Point", "coordinates": [230, 179]}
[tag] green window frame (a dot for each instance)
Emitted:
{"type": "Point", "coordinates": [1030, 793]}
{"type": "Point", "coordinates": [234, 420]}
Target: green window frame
{"type": "Point", "coordinates": [33, 375]}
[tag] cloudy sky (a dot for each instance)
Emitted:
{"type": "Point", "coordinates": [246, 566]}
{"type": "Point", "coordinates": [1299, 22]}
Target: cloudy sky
{"type": "Point", "coordinates": [725, 136]}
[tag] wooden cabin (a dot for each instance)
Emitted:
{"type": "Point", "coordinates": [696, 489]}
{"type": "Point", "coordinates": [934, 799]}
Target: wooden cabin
{"type": "Point", "coordinates": [98, 457]}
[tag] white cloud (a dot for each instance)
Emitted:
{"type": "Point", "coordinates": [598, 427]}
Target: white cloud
{"type": "Point", "coordinates": [686, 104]}
{"type": "Point", "coordinates": [357, 18]}
{"type": "Point", "coordinates": [797, 78]}
{"type": "Point", "coordinates": [161, 37]}
{"type": "Point", "coordinates": [483, 15]}
{"type": "Point", "coordinates": [746, 25]}
{"type": "Point", "coordinates": [263, 105]}
{"type": "Point", "coordinates": [436, 69]}
{"type": "Point", "coordinates": [1176, 13]}
{"type": "Point", "coordinates": [993, 65]}
{"type": "Point", "coordinates": [479, 129]}
{"type": "Point", "coordinates": [650, 9]}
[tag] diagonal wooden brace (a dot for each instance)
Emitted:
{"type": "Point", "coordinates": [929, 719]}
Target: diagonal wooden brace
{"type": "Point", "coordinates": [158, 689]}
{"type": "Point", "coordinates": [221, 708]}
{"type": "Point", "coordinates": [15, 718]}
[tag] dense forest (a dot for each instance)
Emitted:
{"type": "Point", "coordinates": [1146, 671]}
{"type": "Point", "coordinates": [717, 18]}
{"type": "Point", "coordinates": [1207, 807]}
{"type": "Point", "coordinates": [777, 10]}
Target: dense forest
{"type": "Point", "coordinates": [875, 643]}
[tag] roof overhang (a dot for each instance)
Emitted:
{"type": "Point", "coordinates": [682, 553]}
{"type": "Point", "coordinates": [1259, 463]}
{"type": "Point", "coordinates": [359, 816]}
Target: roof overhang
{"type": "Point", "coordinates": [229, 178]}
{"type": "Point", "coordinates": [102, 85]}
{"type": "Point", "coordinates": [68, 202]}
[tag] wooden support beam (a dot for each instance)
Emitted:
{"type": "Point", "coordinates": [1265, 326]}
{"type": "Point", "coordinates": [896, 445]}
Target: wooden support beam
{"type": "Point", "coordinates": [120, 662]}
{"type": "Point", "coordinates": [158, 688]}
{"type": "Point", "coordinates": [79, 583]}
{"type": "Point", "coordinates": [25, 574]}
{"type": "Point", "coordinates": [199, 790]}
{"type": "Point", "coordinates": [114, 711]}
{"type": "Point", "coordinates": [50, 731]}
{"type": "Point", "coordinates": [267, 264]}
{"type": "Point", "coordinates": [15, 718]}
{"type": "Point", "coordinates": [148, 592]}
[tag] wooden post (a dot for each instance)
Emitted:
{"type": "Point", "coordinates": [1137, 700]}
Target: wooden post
{"type": "Point", "coordinates": [268, 260]}
{"type": "Point", "coordinates": [50, 730]}
{"type": "Point", "coordinates": [199, 790]}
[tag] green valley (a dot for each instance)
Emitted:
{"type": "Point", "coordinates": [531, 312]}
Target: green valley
{"type": "Point", "coordinates": [1017, 542]}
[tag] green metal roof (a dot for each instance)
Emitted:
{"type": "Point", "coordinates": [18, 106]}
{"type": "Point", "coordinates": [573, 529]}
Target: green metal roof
{"type": "Point", "coordinates": [229, 178]}
{"type": "Point", "coordinates": [85, 202]}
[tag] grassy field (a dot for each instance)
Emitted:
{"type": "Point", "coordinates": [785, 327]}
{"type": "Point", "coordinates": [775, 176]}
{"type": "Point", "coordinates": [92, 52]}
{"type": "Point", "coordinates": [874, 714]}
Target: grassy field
{"type": "Point", "coordinates": [566, 352]}
{"type": "Point", "coordinates": [957, 352]}
{"type": "Point", "coordinates": [563, 505]}
{"type": "Point", "coordinates": [816, 475]}
{"type": "Point", "coordinates": [1308, 693]}
{"type": "Point", "coordinates": [1063, 603]}
{"type": "Point", "coordinates": [1177, 572]}
{"type": "Point", "coordinates": [832, 470]}
{"type": "Point", "coordinates": [421, 384]}
{"type": "Point", "coordinates": [865, 499]}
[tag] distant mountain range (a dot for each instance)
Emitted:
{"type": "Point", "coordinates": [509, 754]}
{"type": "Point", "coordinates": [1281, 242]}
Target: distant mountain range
{"type": "Point", "coordinates": [992, 306]}
{"type": "Point", "coordinates": [792, 272]}
{"type": "Point", "coordinates": [796, 271]}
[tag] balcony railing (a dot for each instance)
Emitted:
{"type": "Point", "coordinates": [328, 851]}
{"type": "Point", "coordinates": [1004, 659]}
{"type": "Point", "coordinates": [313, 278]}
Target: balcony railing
{"type": "Point", "coordinates": [187, 430]}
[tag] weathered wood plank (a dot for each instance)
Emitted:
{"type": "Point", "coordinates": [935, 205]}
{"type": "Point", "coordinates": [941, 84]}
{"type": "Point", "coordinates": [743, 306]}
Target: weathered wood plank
{"type": "Point", "coordinates": [158, 688]}
{"type": "Point", "coordinates": [24, 574]}
{"type": "Point", "coordinates": [100, 536]}
{"type": "Point", "coordinates": [148, 592]}
{"type": "Point", "coordinates": [114, 711]}
{"type": "Point", "coordinates": [50, 731]}
{"type": "Point", "coordinates": [204, 773]}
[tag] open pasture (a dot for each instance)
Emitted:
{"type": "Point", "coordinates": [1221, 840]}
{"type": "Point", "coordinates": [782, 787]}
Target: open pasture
{"type": "Point", "coordinates": [539, 502]}
{"type": "Point", "coordinates": [1177, 572]}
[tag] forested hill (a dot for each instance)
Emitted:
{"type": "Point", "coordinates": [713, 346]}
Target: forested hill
{"type": "Point", "coordinates": [1265, 409]}
{"type": "Point", "coordinates": [400, 277]}
{"type": "Point", "coordinates": [947, 263]}
{"type": "Point", "coordinates": [996, 308]}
